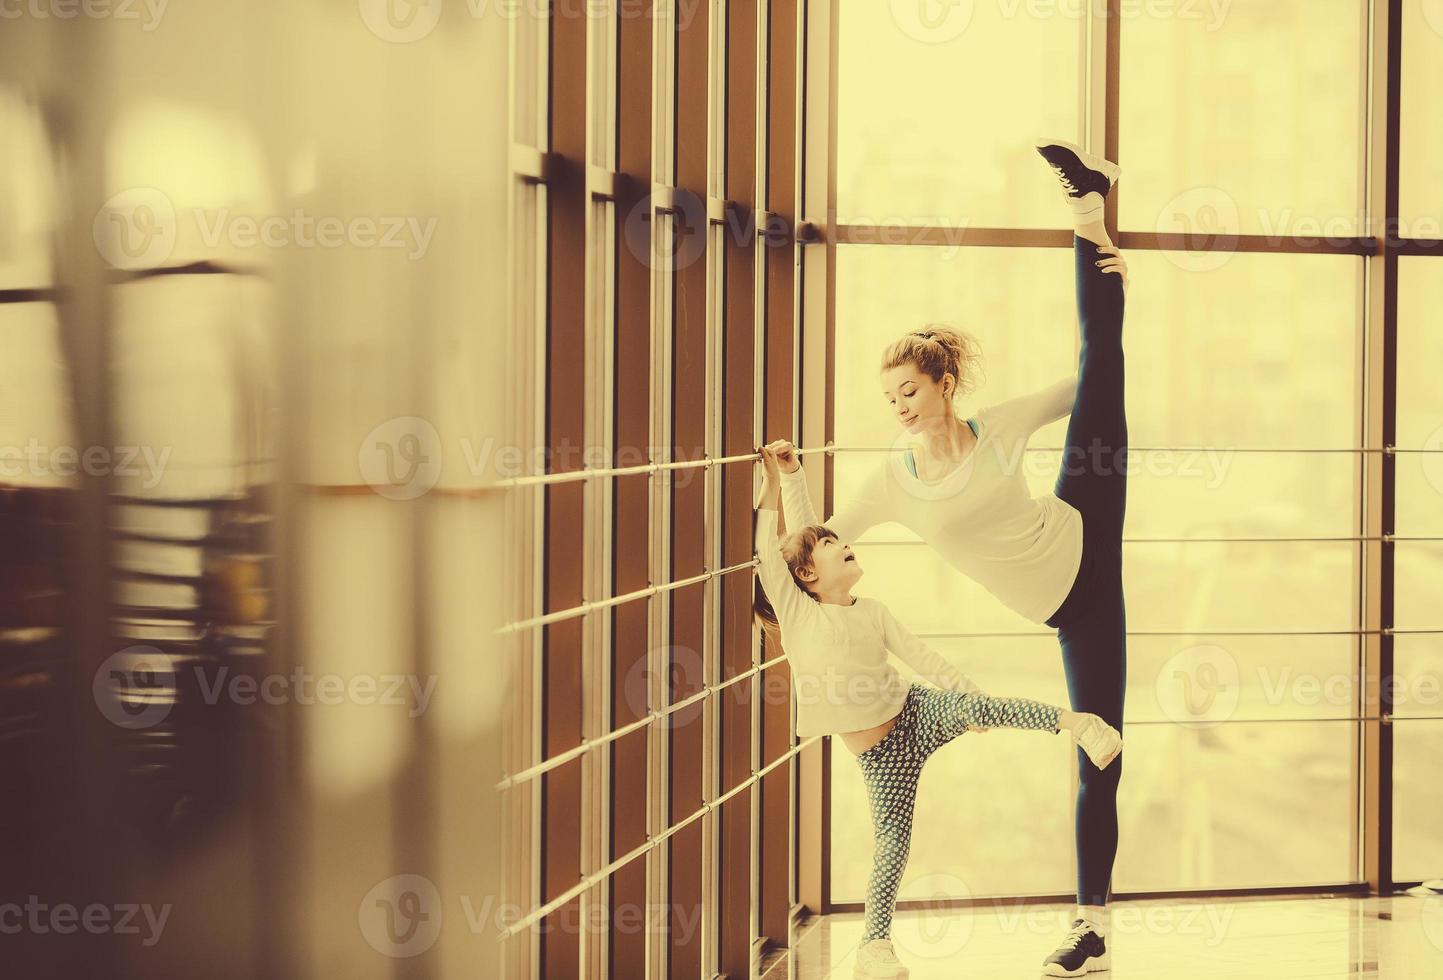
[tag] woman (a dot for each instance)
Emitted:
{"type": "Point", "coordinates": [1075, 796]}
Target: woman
{"type": "Point", "coordinates": [1055, 559]}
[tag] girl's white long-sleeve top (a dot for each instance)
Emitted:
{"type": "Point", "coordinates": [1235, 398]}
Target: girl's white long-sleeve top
{"type": "Point", "coordinates": [838, 654]}
{"type": "Point", "coordinates": [981, 517]}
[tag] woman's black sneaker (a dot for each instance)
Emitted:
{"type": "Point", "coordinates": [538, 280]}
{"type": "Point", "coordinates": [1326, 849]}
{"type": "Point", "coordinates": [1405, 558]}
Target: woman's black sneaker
{"type": "Point", "coordinates": [1083, 951]}
{"type": "Point", "coordinates": [1086, 178]}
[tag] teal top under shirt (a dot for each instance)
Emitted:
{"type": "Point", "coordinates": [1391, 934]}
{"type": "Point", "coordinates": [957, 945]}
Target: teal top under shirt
{"type": "Point", "coordinates": [912, 463]}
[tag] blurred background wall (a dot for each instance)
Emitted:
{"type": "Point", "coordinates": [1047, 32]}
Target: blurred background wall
{"type": "Point", "coordinates": [251, 261]}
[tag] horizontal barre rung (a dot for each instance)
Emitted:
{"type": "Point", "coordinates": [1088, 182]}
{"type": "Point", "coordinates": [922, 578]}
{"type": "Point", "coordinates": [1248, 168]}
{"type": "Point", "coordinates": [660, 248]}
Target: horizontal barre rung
{"type": "Point", "coordinates": [569, 476]}
{"type": "Point", "coordinates": [556, 761]}
{"type": "Point", "coordinates": [1217, 450]}
{"type": "Point", "coordinates": [572, 476]}
{"type": "Point", "coordinates": [1205, 722]}
{"type": "Point", "coordinates": [1010, 634]}
{"type": "Point", "coordinates": [576, 612]}
{"type": "Point", "coordinates": [595, 878]}
{"type": "Point", "coordinates": [1280, 539]}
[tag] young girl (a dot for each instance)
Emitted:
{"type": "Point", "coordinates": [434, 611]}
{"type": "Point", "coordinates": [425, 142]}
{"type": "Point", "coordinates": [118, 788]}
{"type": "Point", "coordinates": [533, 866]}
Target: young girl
{"type": "Point", "coordinates": [837, 645]}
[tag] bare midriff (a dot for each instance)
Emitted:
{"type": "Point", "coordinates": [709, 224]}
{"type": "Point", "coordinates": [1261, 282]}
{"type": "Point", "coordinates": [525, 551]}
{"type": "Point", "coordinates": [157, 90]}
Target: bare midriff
{"type": "Point", "coordinates": [860, 741]}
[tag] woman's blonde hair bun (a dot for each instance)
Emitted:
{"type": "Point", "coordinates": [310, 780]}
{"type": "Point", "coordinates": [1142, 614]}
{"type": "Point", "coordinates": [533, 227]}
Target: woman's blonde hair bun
{"type": "Point", "coordinates": [939, 349]}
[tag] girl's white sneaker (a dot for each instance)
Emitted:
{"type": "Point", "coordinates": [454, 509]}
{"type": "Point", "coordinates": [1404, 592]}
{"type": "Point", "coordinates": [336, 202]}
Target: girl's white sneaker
{"type": "Point", "coordinates": [1098, 739]}
{"type": "Point", "coordinates": [876, 960]}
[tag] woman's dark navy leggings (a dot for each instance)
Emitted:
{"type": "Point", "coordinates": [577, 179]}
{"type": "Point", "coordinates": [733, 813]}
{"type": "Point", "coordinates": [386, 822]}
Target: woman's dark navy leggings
{"type": "Point", "coordinates": [1091, 624]}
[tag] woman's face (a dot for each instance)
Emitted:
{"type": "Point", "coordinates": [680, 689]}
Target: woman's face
{"type": "Point", "coordinates": [915, 399]}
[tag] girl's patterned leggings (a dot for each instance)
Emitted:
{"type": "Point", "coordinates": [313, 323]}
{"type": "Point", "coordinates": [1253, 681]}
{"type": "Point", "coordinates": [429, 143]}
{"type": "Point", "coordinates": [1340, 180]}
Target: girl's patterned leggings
{"type": "Point", "coordinates": [930, 718]}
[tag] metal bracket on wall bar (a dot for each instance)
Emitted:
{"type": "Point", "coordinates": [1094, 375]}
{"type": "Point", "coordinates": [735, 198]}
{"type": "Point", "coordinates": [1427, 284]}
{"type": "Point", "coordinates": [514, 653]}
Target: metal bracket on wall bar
{"type": "Point", "coordinates": [772, 229]}
{"type": "Point", "coordinates": [602, 184]}
{"type": "Point", "coordinates": [532, 165]}
{"type": "Point", "coordinates": [664, 199]}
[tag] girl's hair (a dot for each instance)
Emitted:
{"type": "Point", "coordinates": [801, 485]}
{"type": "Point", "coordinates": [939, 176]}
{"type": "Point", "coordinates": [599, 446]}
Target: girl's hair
{"type": "Point", "coordinates": [797, 550]}
{"type": "Point", "coordinates": [938, 349]}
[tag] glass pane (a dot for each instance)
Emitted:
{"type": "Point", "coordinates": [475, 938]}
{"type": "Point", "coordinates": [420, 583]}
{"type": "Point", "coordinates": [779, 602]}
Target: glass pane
{"type": "Point", "coordinates": [1018, 302]}
{"type": "Point", "coordinates": [1417, 799]}
{"type": "Point", "coordinates": [1418, 495]}
{"type": "Point", "coordinates": [1241, 586]}
{"type": "Point", "coordinates": [1418, 665]}
{"type": "Point", "coordinates": [1216, 492]}
{"type": "Point", "coordinates": [1202, 681]}
{"type": "Point", "coordinates": [1420, 170]}
{"type": "Point", "coordinates": [1195, 586]}
{"type": "Point", "coordinates": [1223, 110]}
{"type": "Point", "coordinates": [1198, 681]}
{"type": "Point", "coordinates": [1202, 493]}
{"type": "Point", "coordinates": [1417, 572]}
{"type": "Point", "coordinates": [1240, 805]}
{"type": "Point", "coordinates": [36, 421]}
{"type": "Point", "coordinates": [28, 203]}
{"type": "Point", "coordinates": [929, 595]}
{"type": "Point", "coordinates": [1261, 351]}
{"type": "Point", "coordinates": [939, 105]}
{"type": "Point", "coordinates": [1420, 351]}
{"type": "Point", "coordinates": [1235, 806]}
{"type": "Point", "coordinates": [1420, 399]}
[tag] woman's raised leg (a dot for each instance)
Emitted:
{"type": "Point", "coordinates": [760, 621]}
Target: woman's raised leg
{"type": "Point", "coordinates": [1091, 623]}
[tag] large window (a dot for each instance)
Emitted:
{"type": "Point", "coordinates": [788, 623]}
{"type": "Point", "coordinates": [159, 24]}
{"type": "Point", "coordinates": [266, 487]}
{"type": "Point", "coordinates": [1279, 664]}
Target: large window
{"type": "Point", "coordinates": [1256, 381]}
{"type": "Point", "coordinates": [939, 104]}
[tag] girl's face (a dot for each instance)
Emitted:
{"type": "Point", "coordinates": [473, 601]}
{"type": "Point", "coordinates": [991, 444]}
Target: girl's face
{"type": "Point", "coordinates": [915, 398]}
{"type": "Point", "coordinates": [835, 567]}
